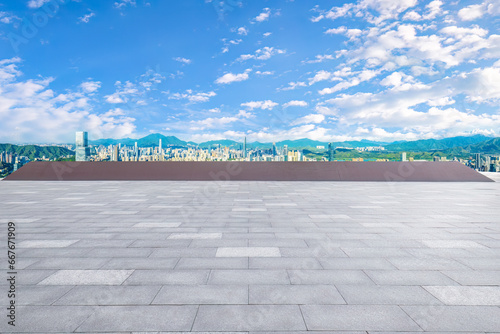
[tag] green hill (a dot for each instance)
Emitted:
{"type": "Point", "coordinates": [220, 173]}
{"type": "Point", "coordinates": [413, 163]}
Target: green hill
{"type": "Point", "coordinates": [436, 144]}
{"type": "Point", "coordinates": [35, 151]}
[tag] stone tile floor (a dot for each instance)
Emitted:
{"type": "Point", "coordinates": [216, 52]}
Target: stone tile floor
{"type": "Point", "coordinates": [253, 257]}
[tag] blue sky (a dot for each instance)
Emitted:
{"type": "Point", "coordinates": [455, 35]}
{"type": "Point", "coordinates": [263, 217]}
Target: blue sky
{"type": "Point", "coordinates": [268, 70]}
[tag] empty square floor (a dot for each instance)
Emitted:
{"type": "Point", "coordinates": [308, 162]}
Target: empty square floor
{"type": "Point", "coordinates": [252, 257]}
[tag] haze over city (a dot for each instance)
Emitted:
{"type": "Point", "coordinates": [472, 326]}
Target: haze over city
{"type": "Point", "coordinates": [270, 71]}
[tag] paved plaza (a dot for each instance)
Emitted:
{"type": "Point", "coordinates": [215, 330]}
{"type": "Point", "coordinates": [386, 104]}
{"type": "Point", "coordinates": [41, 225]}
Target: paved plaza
{"type": "Point", "coordinates": [252, 257]}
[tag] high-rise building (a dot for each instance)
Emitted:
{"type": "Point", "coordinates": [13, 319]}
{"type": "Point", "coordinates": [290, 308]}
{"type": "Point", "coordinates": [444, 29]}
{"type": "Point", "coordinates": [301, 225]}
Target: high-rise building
{"type": "Point", "coordinates": [285, 152]}
{"type": "Point", "coordinates": [159, 147]}
{"type": "Point", "coordinates": [82, 149]}
{"type": "Point", "coordinates": [245, 148]}
{"type": "Point", "coordinates": [275, 151]}
{"type": "Point", "coordinates": [330, 152]}
{"type": "Point", "coordinates": [477, 158]}
{"type": "Point", "coordinates": [403, 156]}
{"type": "Point", "coordinates": [115, 153]}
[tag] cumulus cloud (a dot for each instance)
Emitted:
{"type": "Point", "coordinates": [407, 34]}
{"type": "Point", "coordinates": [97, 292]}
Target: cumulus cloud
{"type": "Point", "coordinates": [312, 118]}
{"type": "Point", "coordinates": [242, 31]}
{"type": "Point", "coordinates": [183, 60]}
{"type": "Point", "coordinates": [293, 85]}
{"type": "Point", "coordinates": [268, 104]}
{"type": "Point", "coordinates": [295, 103]}
{"type": "Point", "coordinates": [261, 54]}
{"type": "Point", "coordinates": [86, 18]}
{"type": "Point", "coordinates": [472, 12]}
{"type": "Point", "coordinates": [90, 86]}
{"type": "Point", "coordinates": [31, 111]}
{"type": "Point", "coordinates": [123, 92]}
{"type": "Point", "coordinates": [192, 97]}
{"type": "Point", "coordinates": [264, 16]}
{"type": "Point", "coordinates": [231, 77]}
{"type": "Point", "coordinates": [34, 4]}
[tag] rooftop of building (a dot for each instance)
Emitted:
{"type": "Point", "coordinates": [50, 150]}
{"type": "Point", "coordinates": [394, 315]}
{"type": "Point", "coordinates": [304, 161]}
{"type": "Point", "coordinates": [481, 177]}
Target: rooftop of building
{"type": "Point", "coordinates": [253, 257]}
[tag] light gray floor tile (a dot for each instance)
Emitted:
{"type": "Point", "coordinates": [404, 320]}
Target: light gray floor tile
{"type": "Point", "coordinates": [202, 294]}
{"type": "Point", "coordinates": [87, 277]}
{"type": "Point", "coordinates": [357, 317]}
{"type": "Point", "coordinates": [248, 318]}
{"type": "Point", "coordinates": [475, 277]}
{"type": "Point", "coordinates": [195, 236]}
{"type": "Point", "coordinates": [45, 243]}
{"type": "Point", "coordinates": [294, 294]}
{"type": "Point", "coordinates": [162, 277]}
{"type": "Point", "coordinates": [466, 295]}
{"type": "Point", "coordinates": [248, 277]}
{"type": "Point", "coordinates": [109, 295]}
{"type": "Point", "coordinates": [248, 252]}
{"type": "Point", "coordinates": [328, 277]}
{"type": "Point", "coordinates": [140, 318]}
{"type": "Point", "coordinates": [212, 263]}
{"type": "Point", "coordinates": [40, 319]}
{"type": "Point", "coordinates": [385, 295]}
{"type": "Point", "coordinates": [39, 295]}
{"type": "Point", "coordinates": [409, 277]}
{"type": "Point", "coordinates": [456, 318]}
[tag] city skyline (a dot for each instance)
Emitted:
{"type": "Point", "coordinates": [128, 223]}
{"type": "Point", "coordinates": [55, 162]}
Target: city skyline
{"type": "Point", "coordinates": [376, 70]}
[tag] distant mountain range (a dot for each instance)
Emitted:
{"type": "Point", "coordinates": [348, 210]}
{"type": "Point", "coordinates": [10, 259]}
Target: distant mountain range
{"type": "Point", "coordinates": [35, 151]}
{"type": "Point", "coordinates": [478, 143]}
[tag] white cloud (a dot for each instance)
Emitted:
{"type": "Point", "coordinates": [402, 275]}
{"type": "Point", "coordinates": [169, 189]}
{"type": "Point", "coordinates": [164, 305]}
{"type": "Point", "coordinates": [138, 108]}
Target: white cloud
{"type": "Point", "coordinates": [264, 72]}
{"type": "Point", "coordinates": [293, 85]}
{"type": "Point", "coordinates": [230, 77]}
{"type": "Point", "coordinates": [312, 118]}
{"type": "Point", "coordinates": [124, 3]}
{"type": "Point", "coordinates": [262, 54]}
{"type": "Point", "coordinates": [335, 31]}
{"type": "Point", "coordinates": [295, 103]}
{"type": "Point", "coordinates": [320, 59]}
{"type": "Point", "coordinates": [192, 97]}
{"type": "Point", "coordinates": [8, 18]}
{"type": "Point", "coordinates": [264, 16]}
{"type": "Point", "coordinates": [183, 60]}
{"type": "Point", "coordinates": [242, 31]}
{"type": "Point", "coordinates": [268, 104]}
{"type": "Point", "coordinates": [267, 34]}
{"type": "Point", "coordinates": [122, 93]}
{"type": "Point", "coordinates": [214, 110]}
{"type": "Point", "coordinates": [31, 111]}
{"type": "Point", "coordinates": [472, 12]}
{"type": "Point", "coordinates": [90, 86]}
{"type": "Point", "coordinates": [320, 76]}
{"type": "Point", "coordinates": [34, 4]}
{"type": "Point", "coordinates": [86, 18]}
{"type": "Point", "coordinates": [212, 122]}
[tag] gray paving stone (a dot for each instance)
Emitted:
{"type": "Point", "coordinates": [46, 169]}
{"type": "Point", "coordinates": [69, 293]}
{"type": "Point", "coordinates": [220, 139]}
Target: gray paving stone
{"type": "Point", "coordinates": [328, 277]}
{"type": "Point", "coordinates": [163, 277]}
{"type": "Point", "coordinates": [140, 318]}
{"type": "Point", "coordinates": [385, 295]}
{"type": "Point", "coordinates": [355, 263]}
{"type": "Point", "coordinates": [212, 263]}
{"type": "Point", "coordinates": [249, 318]}
{"type": "Point", "coordinates": [39, 295]}
{"type": "Point", "coordinates": [466, 295]}
{"type": "Point", "coordinates": [202, 294]}
{"type": "Point", "coordinates": [294, 294]}
{"type": "Point", "coordinates": [452, 244]}
{"type": "Point", "coordinates": [357, 317]}
{"type": "Point", "coordinates": [45, 243]}
{"type": "Point", "coordinates": [455, 318]}
{"type": "Point", "coordinates": [195, 236]}
{"type": "Point", "coordinates": [409, 277]}
{"type": "Point", "coordinates": [39, 319]}
{"type": "Point", "coordinates": [284, 263]}
{"type": "Point", "coordinates": [248, 252]}
{"type": "Point", "coordinates": [87, 277]}
{"type": "Point", "coordinates": [474, 277]}
{"type": "Point", "coordinates": [109, 295]}
{"type": "Point", "coordinates": [157, 263]}
{"type": "Point", "coordinates": [250, 276]}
